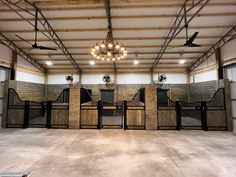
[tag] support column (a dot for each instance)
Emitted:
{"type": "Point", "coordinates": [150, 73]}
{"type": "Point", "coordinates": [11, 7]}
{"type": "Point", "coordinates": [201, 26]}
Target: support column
{"type": "Point", "coordinates": [74, 107]}
{"type": "Point", "coordinates": [151, 107]}
{"type": "Point", "coordinates": [13, 66]}
{"type": "Point", "coordinates": [219, 64]}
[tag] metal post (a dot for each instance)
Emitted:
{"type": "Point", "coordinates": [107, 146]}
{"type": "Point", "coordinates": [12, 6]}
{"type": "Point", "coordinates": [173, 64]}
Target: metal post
{"type": "Point", "coordinates": [204, 115]}
{"type": "Point", "coordinates": [178, 115]}
{"type": "Point", "coordinates": [125, 114]}
{"type": "Point", "coordinates": [26, 114]}
{"type": "Point", "coordinates": [49, 114]}
{"type": "Point", "coordinates": [100, 108]}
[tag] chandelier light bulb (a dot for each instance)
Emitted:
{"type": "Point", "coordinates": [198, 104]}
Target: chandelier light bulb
{"type": "Point", "coordinates": [98, 57]}
{"type": "Point", "coordinates": [96, 47]}
{"type": "Point", "coordinates": [122, 56]}
{"type": "Point", "coordinates": [108, 59]}
{"type": "Point", "coordinates": [92, 63]}
{"type": "Point", "coordinates": [93, 49]}
{"type": "Point", "coordinates": [109, 53]}
{"type": "Point", "coordinates": [103, 45]}
{"type": "Point", "coordinates": [110, 45]}
{"type": "Point", "coordinates": [125, 51]}
{"type": "Point", "coordinates": [117, 46]}
{"type": "Point", "coordinates": [118, 58]}
{"type": "Point", "coordinates": [49, 63]}
{"type": "Point", "coordinates": [122, 48]}
{"type": "Point", "coordinates": [125, 54]}
{"type": "Point", "coordinates": [113, 59]}
{"type": "Point", "coordinates": [103, 58]}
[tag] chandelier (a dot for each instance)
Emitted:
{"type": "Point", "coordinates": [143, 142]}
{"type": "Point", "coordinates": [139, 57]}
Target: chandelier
{"type": "Point", "coordinates": [109, 50]}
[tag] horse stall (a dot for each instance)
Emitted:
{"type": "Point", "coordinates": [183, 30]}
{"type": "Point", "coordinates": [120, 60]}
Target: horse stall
{"type": "Point", "coordinates": [199, 115]}
{"type": "Point", "coordinates": [58, 111]}
{"type": "Point", "coordinates": [89, 111]}
{"type": "Point", "coordinates": [135, 111]}
{"type": "Point", "coordinates": [166, 111]}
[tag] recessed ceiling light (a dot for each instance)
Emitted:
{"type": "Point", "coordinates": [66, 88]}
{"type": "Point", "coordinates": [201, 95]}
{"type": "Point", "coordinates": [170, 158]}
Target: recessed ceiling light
{"type": "Point", "coordinates": [136, 62]}
{"type": "Point", "coordinates": [181, 61]}
{"type": "Point", "coordinates": [92, 63]}
{"type": "Point", "coordinates": [49, 63]}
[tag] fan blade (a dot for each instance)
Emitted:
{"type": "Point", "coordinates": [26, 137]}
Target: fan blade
{"type": "Point", "coordinates": [23, 39]}
{"type": "Point", "coordinates": [192, 38]}
{"type": "Point", "coordinates": [194, 45]}
{"type": "Point", "coordinates": [46, 48]}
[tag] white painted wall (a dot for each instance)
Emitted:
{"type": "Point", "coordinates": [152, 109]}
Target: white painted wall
{"type": "Point", "coordinates": [206, 76]}
{"type": "Point", "coordinates": [228, 51]}
{"type": "Point", "coordinates": [28, 77]}
{"type": "Point", "coordinates": [133, 79]}
{"type": "Point", "coordinates": [172, 78]}
{"type": "Point", "coordinates": [60, 79]}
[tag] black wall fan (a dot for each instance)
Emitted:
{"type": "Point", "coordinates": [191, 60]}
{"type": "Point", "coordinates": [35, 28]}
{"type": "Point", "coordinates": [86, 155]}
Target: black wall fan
{"type": "Point", "coordinates": [35, 45]}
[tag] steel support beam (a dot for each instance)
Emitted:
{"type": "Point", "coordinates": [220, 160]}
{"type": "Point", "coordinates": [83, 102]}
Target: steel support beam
{"type": "Point", "coordinates": [183, 18]}
{"type": "Point", "coordinates": [26, 8]}
{"type": "Point", "coordinates": [7, 42]}
{"type": "Point", "coordinates": [231, 34]}
{"type": "Point", "coordinates": [108, 13]}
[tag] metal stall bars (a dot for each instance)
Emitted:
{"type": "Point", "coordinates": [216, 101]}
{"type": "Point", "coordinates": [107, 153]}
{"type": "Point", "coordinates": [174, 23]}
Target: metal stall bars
{"type": "Point", "coordinates": [58, 111]}
{"type": "Point", "coordinates": [216, 111]}
{"type": "Point", "coordinates": [90, 110]}
{"type": "Point", "coordinates": [36, 114]}
{"type": "Point", "coordinates": [17, 111]}
{"type": "Point", "coordinates": [134, 112]}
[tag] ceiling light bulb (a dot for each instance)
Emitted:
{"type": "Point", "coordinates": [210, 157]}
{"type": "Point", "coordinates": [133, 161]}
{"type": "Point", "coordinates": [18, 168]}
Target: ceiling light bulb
{"type": "Point", "coordinates": [117, 46]}
{"type": "Point", "coordinates": [122, 56]}
{"type": "Point", "coordinates": [181, 61]}
{"type": "Point", "coordinates": [108, 59]}
{"type": "Point", "coordinates": [103, 58]}
{"type": "Point", "coordinates": [125, 51]}
{"type": "Point", "coordinates": [113, 59]}
{"type": "Point", "coordinates": [118, 58]}
{"type": "Point", "coordinates": [136, 62]}
{"type": "Point", "coordinates": [122, 48]}
{"type": "Point", "coordinates": [92, 63]}
{"type": "Point", "coordinates": [125, 54]}
{"type": "Point", "coordinates": [103, 45]}
{"type": "Point", "coordinates": [92, 53]}
{"type": "Point", "coordinates": [109, 53]}
{"type": "Point", "coordinates": [96, 47]}
{"type": "Point", "coordinates": [93, 49]}
{"type": "Point", "coordinates": [110, 45]}
{"type": "Point", "coordinates": [49, 63]}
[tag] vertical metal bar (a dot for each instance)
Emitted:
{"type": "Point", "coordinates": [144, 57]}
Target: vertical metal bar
{"type": "Point", "coordinates": [49, 114]}
{"type": "Point", "coordinates": [125, 115]}
{"type": "Point", "coordinates": [178, 115]}
{"type": "Point", "coordinates": [26, 114]}
{"type": "Point", "coordinates": [100, 108]}
{"type": "Point", "coordinates": [204, 116]}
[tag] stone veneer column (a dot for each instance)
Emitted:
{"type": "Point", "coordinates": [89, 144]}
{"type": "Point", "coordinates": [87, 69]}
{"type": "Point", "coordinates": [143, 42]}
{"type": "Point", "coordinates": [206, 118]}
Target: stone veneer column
{"type": "Point", "coordinates": [225, 83]}
{"type": "Point", "coordinates": [74, 107]}
{"type": "Point", "coordinates": [151, 107]}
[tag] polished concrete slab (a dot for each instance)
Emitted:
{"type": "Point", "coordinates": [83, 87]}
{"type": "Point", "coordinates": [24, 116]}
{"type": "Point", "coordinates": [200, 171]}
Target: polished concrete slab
{"type": "Point", "coordinates": [117, 153]}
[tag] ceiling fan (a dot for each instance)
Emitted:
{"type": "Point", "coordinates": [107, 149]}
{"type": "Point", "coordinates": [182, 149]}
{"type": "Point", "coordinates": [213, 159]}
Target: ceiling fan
{"type": "Point", "coordinates": [35, 45]}
{"type": "Point", "coordinates": [189, 41]}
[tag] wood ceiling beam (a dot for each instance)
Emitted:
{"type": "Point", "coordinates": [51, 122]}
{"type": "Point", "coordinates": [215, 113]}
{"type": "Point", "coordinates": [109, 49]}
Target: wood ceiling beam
{"type": "Point", "coordinates": [119, 29]}
{"type": "Point", "coordinates": [118, 38]}
{"type": "Point", "coordinates": [225, 14]}
{"type": "Point", "coordinates": [126, 59]}
{"type": "Point", "coordinates": [131, 6]}
{"type": "Point", "coordinates": [60, 54]}
{"type": "Point", "coordinates": [129, 47]}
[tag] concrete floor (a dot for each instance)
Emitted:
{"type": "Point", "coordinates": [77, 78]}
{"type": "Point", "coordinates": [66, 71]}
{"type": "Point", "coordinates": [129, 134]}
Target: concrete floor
{"type": "Point", "coordinates": [117, 153]}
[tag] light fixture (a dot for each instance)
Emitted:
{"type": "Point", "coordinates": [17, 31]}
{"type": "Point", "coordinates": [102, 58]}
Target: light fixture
{"type": "Point", "coordinates": [49, 63]}
{"type": "Point", "coordinates": [136, 62]}
{"type": "Point", "coordinates": [181, 61]}
{"type": "Point", "coordinates": [92, 62]}
{"type": "Point", "coordinates": [108, 49]}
